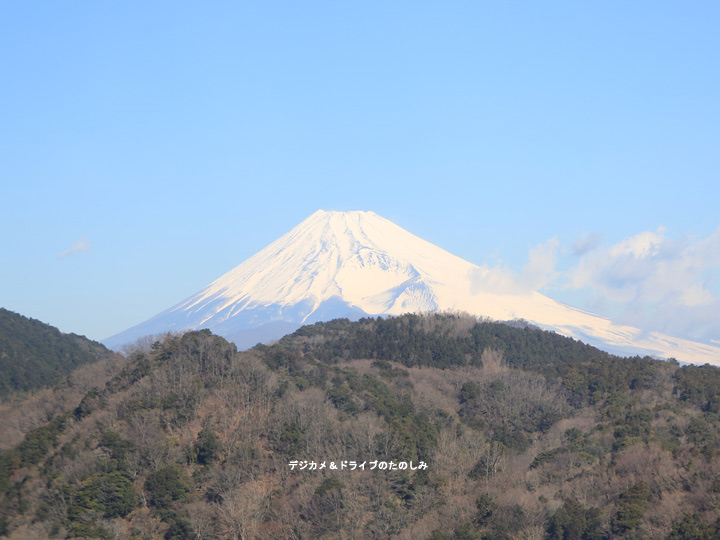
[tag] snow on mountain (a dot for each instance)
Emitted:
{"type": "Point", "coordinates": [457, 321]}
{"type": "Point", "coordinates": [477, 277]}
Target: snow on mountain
{"type": "Point", "coordinates": [353, 264]}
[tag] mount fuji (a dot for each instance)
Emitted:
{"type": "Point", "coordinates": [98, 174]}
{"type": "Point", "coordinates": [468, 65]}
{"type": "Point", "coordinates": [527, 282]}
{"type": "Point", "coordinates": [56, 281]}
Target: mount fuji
{"type": "Point", "coordinates": [355, 264]}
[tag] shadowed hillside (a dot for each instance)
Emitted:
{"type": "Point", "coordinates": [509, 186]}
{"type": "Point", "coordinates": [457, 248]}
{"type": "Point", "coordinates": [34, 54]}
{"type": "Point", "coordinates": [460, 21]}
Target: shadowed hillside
{"type": "Point", "coordinates": [35, 355]}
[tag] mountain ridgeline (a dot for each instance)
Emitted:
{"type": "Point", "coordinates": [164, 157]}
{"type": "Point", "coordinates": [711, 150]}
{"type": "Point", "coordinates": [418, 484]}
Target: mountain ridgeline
{"type": "Point", "coordinates": [437, 427]}
{"type": "Point", "coordinates": [34, 355]}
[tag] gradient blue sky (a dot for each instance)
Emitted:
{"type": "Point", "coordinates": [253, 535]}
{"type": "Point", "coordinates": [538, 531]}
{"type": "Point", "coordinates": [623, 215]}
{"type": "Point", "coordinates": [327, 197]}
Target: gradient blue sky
{"type": "Point", "coordinates": [147, 148]}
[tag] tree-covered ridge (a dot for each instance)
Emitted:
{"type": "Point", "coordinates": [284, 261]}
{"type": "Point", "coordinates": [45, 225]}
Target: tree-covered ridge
{"type": "Point", "coordinates": [35, 355]}
{"type": "Point", "coordinates": [444, 341]}
{"type": "Point", "coordinates": [526, 435]}
{"type": "Point", "coordinates": [450, 341]}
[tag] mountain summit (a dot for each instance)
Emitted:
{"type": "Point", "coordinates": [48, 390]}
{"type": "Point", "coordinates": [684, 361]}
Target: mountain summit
{"type": "Point", "coordinates": [353, 264]}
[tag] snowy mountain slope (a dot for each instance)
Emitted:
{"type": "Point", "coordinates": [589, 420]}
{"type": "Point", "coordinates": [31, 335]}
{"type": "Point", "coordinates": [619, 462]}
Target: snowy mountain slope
{"type": "Point", "coordinates": [352, 264]}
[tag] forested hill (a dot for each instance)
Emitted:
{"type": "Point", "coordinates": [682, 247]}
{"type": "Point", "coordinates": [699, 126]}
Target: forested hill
{"type": "Point", "coordinates": [35, 355]}
{"type": "Point", "coordinates": [418, 427]}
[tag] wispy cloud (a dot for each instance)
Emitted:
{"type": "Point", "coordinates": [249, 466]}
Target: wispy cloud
{"type": "Point", "coordinates": [649, 280]}
{"type": "Point", "coordinates": [537, 272]}
{"type": "Point", "coordinates": [585, 244]}
{"type": "Point", "coordinates": [655, 281]}
{"type": "Point", "coordinates": [81, 245]}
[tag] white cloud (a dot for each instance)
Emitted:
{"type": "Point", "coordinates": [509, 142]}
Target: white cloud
{"type": "Point", "coordinates": [643, 245]}
{"type": "Point", "coordinates": [656, 282]}
{"type": "Point", "coordinates": [81, 245]}
{"type": "Point", "coordinates": [649, 280]}
{"type": "Point", "coordinates": [537, 272]}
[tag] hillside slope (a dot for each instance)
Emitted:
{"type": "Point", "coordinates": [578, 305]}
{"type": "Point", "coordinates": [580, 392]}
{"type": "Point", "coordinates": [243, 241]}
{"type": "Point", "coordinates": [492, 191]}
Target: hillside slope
{"type": "Point", "coordinates": [525, 434]}
{"type": "Point", "coordinates": [34, 355]}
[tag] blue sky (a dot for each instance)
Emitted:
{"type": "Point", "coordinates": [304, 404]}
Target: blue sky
{"type": "Point", "coordinates": [147, 149]}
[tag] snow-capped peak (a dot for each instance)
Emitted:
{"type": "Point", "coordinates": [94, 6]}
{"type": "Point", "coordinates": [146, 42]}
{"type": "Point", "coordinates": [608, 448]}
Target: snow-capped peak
{"type": "Point", "coordinates": [351, 264]}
